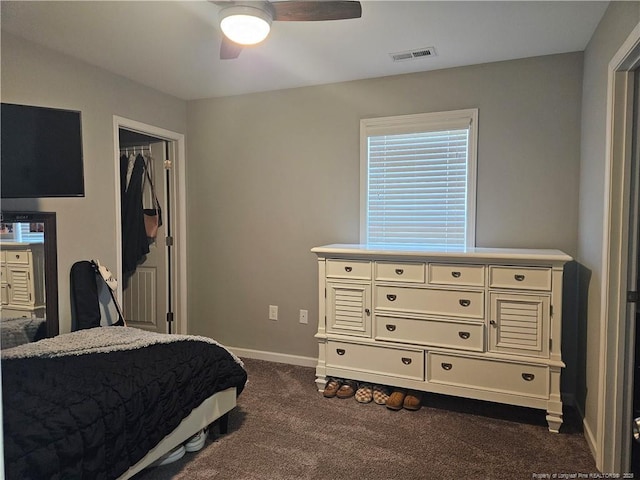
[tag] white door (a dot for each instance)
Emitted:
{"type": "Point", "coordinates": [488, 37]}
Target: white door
{"type": "Point", "coordinates": [146, 301]}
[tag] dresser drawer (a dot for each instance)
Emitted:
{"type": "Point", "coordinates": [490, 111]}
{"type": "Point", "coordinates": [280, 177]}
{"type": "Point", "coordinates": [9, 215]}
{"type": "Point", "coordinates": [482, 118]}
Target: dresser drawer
{"type": "Point", "coordinates": [380, 360]}
{"type": "Point", "coordinates": [3, 273]}
{"type": "Point", "coordinates": [521, 278]}
{"type": "Point", "coordinates": [400, 272]}
{"type": "Point", "coordinates": [17, 256]}
{"type": "Point", "coordinates": [447, 274]}
{"type": "Point", "coordinates": [492, 375]}
{"type": "Point", "coordinates": [14, 313]}
{"type": "Point", "coordinates": [357, 269]}
{"type": "Point", "coordinates": [455, 303]}
{"type": "Point", "coordinates": [431, 332]}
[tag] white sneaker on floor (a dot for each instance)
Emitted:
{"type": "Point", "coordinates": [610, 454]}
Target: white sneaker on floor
{"type": "Point", "coordinates": [196, 442]}
{"type": "Point", "coordinates": [173, 456]}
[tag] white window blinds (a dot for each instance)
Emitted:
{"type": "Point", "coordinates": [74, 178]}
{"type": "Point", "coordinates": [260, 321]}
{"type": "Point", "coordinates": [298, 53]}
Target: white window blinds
{"type": "Point", "coordinates": [419, 183]}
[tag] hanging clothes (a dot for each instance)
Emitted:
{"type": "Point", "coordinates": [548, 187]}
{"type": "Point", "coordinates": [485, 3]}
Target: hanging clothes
{"type": "Point", "coordinates": [134, 237]}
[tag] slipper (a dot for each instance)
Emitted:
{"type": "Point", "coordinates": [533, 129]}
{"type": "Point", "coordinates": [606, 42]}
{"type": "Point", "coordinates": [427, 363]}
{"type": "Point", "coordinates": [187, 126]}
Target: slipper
{"type": "Point", "coordinates": [347, 390]}
{"type": "Point", "coordinates": [331, 387]}
{"type": "Point", "coordinates": [380, 394]}
{"type": "Point", "coordinates": [396, 399]}
{"type": "Point", "coordinates": [364, 394]}
{"type": "Point", "coordinates": [412, 401]}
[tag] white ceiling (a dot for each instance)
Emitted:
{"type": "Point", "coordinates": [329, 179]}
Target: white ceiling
{"type": "Point", "coordinates": [173, 46]}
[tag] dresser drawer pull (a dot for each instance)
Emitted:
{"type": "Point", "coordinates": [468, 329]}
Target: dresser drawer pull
{"type": "Point", "coordinates": [399, 271]}
{"type": "Point", "coordinates": [528, 376]}
{"type": "Point", "coordinates": [493, 322]}
{"type": "Point", "coordinates": [519, 277]}
{"type": "Point", "coordinates": [391, 328]}
{"type": "Point", "coordinates": [455, 274]}
{"type": "Point", "coordinates": [391, 297]}
{"type": "Point", "coordinates": [464, 335]}
{"type": "Point", "coordinates": [340, 351]}
{"type": "Point", "coordinates": [446, 366]}
{"type": "Point", "coordinates": [367, 311]}
{"type": "Point", "coordinates": [348, 269]}
{"type": "Point", "coordinates": [406, 360]}
{"type": "Point", "coordinates": [464, 302]}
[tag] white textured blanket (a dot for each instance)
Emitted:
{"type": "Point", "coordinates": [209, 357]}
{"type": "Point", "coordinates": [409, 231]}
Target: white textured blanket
{"type": "Point", "coordinates": [101, 340]}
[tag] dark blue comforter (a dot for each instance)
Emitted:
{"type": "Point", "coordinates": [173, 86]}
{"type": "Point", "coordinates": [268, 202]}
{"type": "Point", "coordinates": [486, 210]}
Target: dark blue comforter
{"type": "Point", "coordinates": [93, 416]}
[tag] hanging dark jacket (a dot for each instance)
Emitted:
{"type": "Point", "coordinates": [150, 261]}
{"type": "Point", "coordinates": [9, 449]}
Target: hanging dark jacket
{"type": "Point", "coordinates": [135, 244]}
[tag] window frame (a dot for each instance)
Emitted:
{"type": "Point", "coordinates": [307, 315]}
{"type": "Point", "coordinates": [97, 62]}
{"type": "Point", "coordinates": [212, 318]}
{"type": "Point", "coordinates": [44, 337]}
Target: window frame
{"type": "Point", "coordinates": [415, 123]}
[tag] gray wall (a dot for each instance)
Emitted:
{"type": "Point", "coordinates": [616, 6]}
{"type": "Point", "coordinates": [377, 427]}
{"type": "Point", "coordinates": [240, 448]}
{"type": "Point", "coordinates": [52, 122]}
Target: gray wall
{"type": "Point", "coordinates": [618, 21]}
{"type": "Point", "coordinates": [37, 76]}
{"type": "Point", "coordinates": [273, 174]}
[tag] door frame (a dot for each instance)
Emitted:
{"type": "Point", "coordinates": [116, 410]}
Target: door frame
{"type": "Point", "coordinates": [178, 195]}
{"type": "Point", "coordinates": [613, 437]}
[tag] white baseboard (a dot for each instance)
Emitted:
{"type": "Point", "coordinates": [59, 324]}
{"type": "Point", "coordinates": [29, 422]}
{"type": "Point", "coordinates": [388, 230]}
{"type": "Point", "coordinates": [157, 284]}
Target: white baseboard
{"type": "Point", "coordinates": [275, 357]}
{"type": "Point", "coordinates": [588, 432]}
{"type": "Point", "coordinates": [591, 440]}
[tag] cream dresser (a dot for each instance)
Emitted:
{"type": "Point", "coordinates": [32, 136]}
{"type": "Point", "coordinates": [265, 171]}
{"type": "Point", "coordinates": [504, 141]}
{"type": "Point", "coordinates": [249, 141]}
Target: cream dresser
{"type": "Point", "coordinates": [22, 279]}
{"type": "Point", "coordinates": [480, 323]}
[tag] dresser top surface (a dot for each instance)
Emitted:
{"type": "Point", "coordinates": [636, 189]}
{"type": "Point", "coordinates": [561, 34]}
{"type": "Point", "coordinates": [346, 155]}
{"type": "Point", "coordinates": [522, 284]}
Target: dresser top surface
{"type": "Point", "coordinates": [13, 244]}
{"type": "Point", "coordinates": [412, 251]}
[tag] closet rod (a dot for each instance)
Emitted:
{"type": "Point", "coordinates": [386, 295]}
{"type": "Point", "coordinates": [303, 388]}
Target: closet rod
{"type": "Point", "coordinates": [136, 149]}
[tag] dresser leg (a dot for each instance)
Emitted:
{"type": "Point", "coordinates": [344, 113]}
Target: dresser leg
{"type": "Point", "coordinates": [554, 416]}
{"type": "Point", "coordinates": [321, 381]}
{"type": "Point", "coordinates": [554, 405]}
{"type": "Point", "coordinates": [554, 421]}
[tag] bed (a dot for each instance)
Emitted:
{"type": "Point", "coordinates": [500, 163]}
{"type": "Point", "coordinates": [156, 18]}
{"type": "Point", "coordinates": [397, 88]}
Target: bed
{"type": "Point", "coordinates": [107, 402]}
{"type": "Point", "coordinates": [21, 330]}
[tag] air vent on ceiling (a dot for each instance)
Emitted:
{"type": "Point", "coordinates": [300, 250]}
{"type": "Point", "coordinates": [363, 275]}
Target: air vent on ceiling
{"type": "Point", "coordinates": [413, 54]}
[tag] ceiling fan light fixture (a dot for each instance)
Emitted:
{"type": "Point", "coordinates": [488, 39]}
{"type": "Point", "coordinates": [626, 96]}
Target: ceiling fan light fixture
{"type": "Point", "coordinates": [245, 25]}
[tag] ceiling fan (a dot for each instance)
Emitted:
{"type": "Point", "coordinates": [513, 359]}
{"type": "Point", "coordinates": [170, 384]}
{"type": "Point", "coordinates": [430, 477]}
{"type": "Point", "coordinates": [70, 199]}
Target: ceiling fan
{"type": "Point", "coordinates": [248, 23]}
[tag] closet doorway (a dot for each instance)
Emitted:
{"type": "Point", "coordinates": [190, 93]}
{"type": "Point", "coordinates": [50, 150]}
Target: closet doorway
{"type": "Point", "coordinates": [152, 296]}
{"type": "Point", "coordinates": [615, 448]}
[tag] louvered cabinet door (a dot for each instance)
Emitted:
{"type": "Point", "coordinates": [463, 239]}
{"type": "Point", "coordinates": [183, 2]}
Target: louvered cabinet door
{"type": "Point", "coordinates": [349, 309]}
{"type": "Point", "coordinates": [519, 324]}
{"type": "Point", "coordinates": [19, 286]}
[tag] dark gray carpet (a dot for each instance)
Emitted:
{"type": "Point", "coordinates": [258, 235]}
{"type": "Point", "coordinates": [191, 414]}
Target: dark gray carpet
{"type": "Point", "coordinates": [283, 428]}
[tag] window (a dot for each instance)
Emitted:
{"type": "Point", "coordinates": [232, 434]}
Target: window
{"type": "Point", "coordinates": [418, 179]}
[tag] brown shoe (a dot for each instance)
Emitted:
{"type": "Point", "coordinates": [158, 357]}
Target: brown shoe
{"type": "Point", "coordinates": [331, 387]}
{"type": "Point", "coordinates": [413, 401]}
{"type": "Point", "coordinates": [396, 399]}
{"type": "Point", "coordinates": [347, 390]}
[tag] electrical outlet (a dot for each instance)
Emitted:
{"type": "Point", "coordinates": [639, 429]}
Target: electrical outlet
{"type": "Point", "coordinates": [273, 312]}
{"type": "Point", "coordinates": [304, 316]}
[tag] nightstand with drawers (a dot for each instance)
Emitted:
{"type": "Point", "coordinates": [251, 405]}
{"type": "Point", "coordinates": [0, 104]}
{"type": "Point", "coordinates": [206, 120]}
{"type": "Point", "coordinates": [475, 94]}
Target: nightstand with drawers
{"type": "Point", "coordinates": [480, 323]}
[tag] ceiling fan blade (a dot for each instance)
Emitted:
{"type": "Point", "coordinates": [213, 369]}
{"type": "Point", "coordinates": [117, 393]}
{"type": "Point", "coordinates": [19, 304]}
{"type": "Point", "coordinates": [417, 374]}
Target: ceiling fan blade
{"type": "Point", "coordinates": [228, 49]}
{"type": "Point", "coordinates": [305, 11]}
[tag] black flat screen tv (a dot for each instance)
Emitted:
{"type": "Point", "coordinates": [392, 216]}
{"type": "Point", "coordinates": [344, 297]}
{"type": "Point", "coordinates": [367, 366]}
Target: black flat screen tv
{"type": "Point", "coordinates": [40, 152]}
